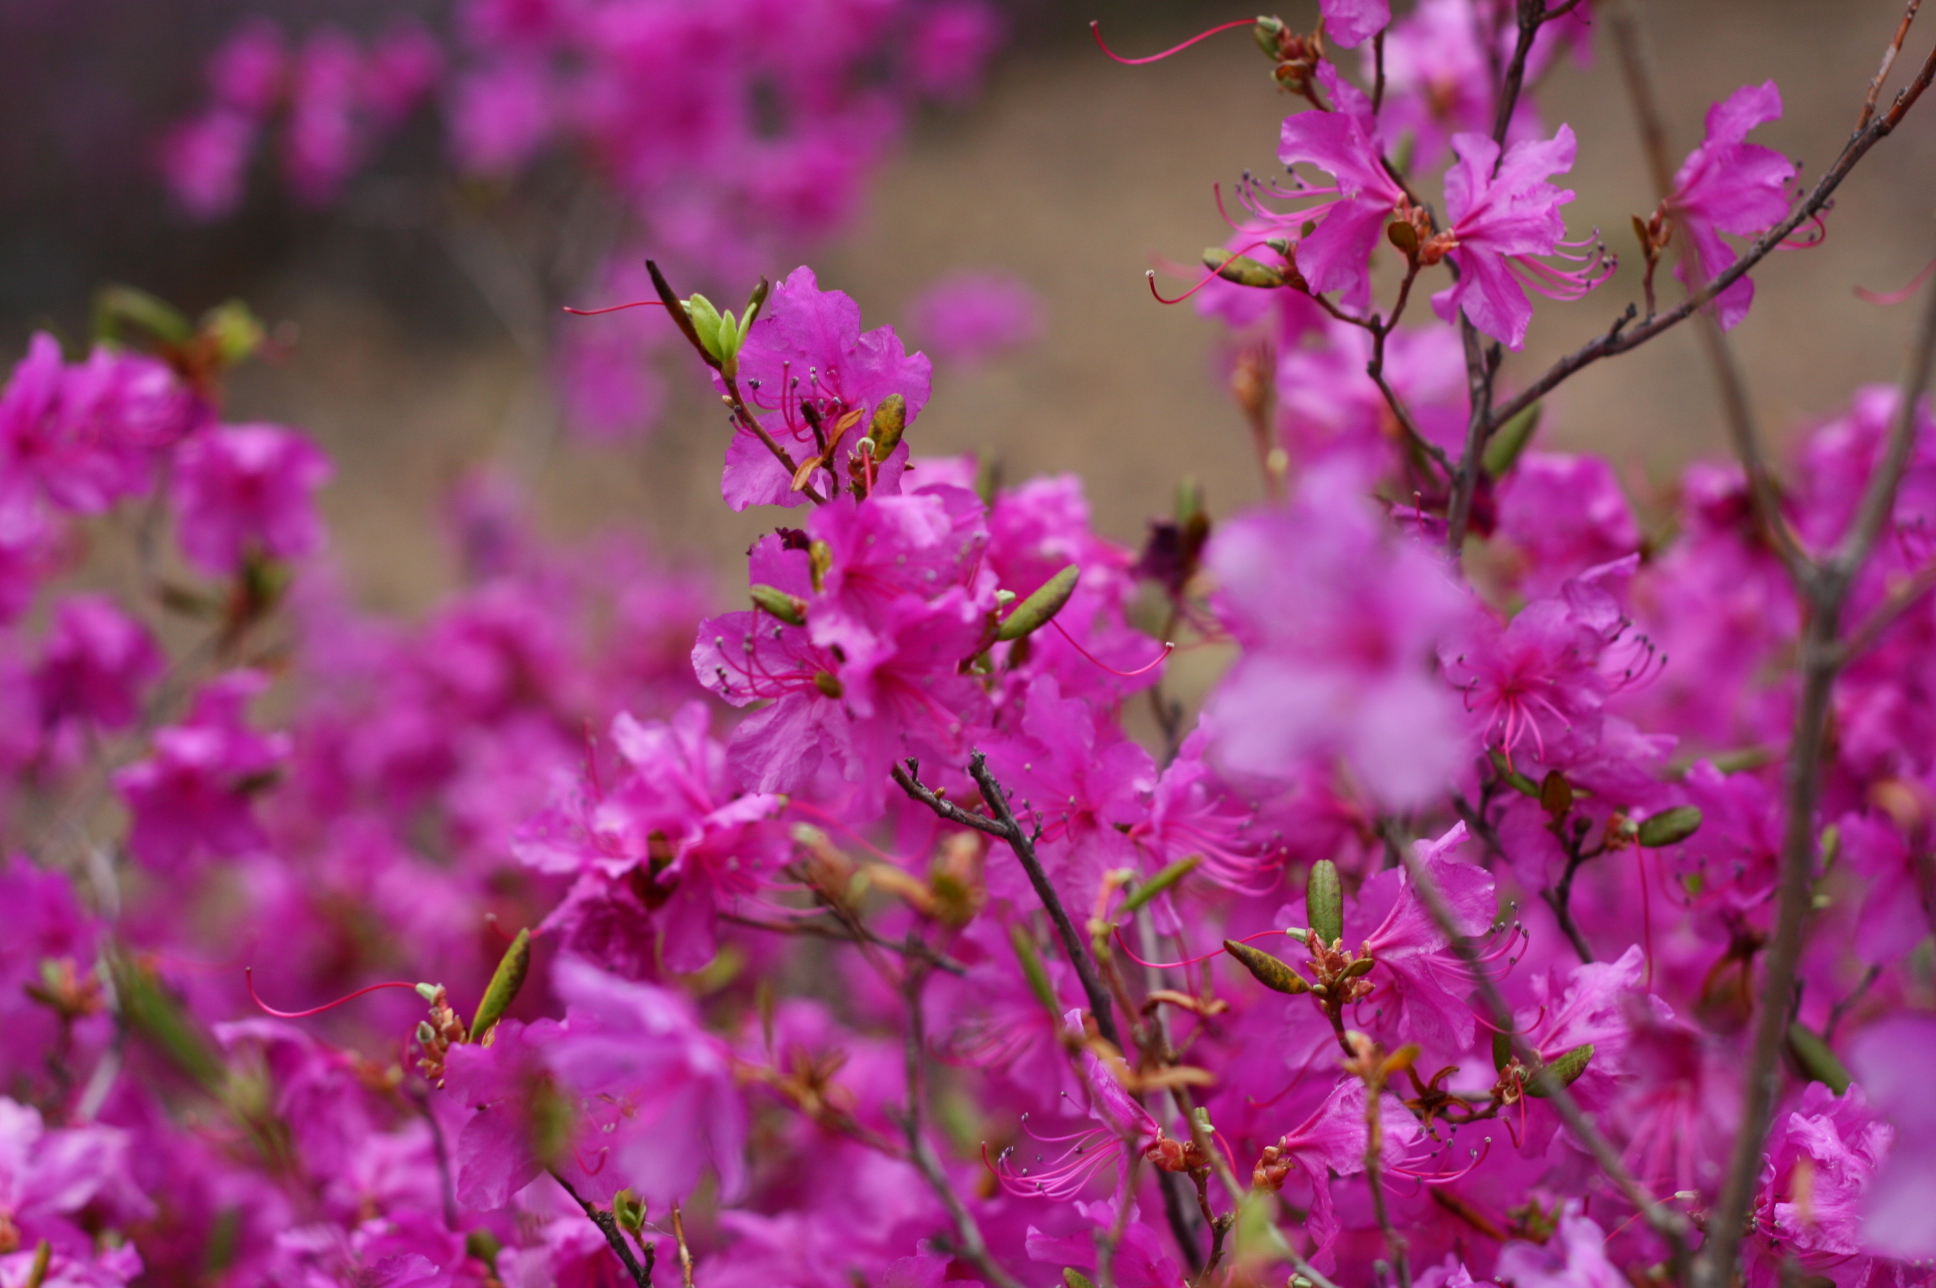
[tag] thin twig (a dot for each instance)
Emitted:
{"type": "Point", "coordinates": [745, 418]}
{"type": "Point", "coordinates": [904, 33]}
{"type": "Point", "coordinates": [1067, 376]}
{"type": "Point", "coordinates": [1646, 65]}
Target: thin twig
{"type": "Point", "coordinates": [1375, 1178]}
{"type": "Point", "coordinates": [1560, 900]}
{"type": "Point", "coordinates": [685, 1252]}
{"type": "Point", "coordinates": [608, 1226]}
{"type": "Point", "coordinates": [1899, 601]}
{"type": "Point", "coordinates": [1888, 61]}
{"type": "Point", "coordinates": [1532, 15]}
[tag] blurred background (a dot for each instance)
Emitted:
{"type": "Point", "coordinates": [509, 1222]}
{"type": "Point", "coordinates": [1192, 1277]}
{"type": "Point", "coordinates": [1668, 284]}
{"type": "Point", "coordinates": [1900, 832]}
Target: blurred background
{"type": "Point", "coordinates": [411, 355]}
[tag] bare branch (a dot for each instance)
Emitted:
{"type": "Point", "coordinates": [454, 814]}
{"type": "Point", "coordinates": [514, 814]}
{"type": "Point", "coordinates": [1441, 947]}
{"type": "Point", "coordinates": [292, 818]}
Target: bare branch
{"type": "Point", "coordinates": [608, 1226]}
{"type": "Point", "coordinates": [1888, 61]}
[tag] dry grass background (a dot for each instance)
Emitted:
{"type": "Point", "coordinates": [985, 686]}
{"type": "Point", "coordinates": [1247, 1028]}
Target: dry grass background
{"type": "Point", "coordinates": [1072, 173]}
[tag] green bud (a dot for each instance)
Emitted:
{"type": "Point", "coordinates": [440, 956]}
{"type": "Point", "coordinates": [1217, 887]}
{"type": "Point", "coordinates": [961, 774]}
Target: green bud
{"type": "Point", "coordinates": [1266, 969]}
{"type": "Point", "coordinates": [506, 980]}
{"type": "Point", "coordinates": [729, 337]}
{"type": "Point", "coordinates": [629, 1210]}
{"type": "Point", "coordinates": [1241, 269]}
{"type": "Point", "coordinates": [1160, 882]}
{"type": "Point", "coordinates": [428, 992]}
{"type": "Point", "coordinates": [890, 420]}
{"type": "Point", "coordinates": [1324, 901]}
{"type": "Point", "coordinates": [790, 609]}
{"type": "Point", "coordinates": [1508, 441]}
{"type": "Point", "coordinates": [1565, 1071]}
{"type": "Point", "coordinates": [1035, 612]}
{"type": "Point", "coordinates": [1670, 826]}
{"type": "Point", "coordinates": [235, 330]}
{"type": "Point", "coordinates": [1268, 32]}
{"type": "Point", "coordinates": [1359, 966]}
{"type": "Point", "coordinates": [705, 325]}
{"type": "Point", "coordinates": [754, 303]}
{"type": "Point", "coordinates": [1815, 1058]}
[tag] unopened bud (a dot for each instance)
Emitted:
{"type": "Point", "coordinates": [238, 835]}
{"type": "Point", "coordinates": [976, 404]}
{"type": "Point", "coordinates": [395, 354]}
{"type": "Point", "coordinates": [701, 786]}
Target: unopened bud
{"type": "Point", "coordinates": [628, 1209]}
{"type": "Point", "coordinates": [1564, 1071]}
{"type": "Point", "coordinates": [428, 992]}
{"type": "Point", "coordinates": [704, 317]}
{"type": "Point", "coordinates": [1324, 901]}
{"type": "Point", "coordinates": [1670, 826]}
{"type": "Point", "coordinates": [506, 980]}
{"type": "Point", "coordinates": [1269, 33]}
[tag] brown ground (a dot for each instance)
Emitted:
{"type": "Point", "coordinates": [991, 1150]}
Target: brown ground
{"type": "Point", "coordinates": [1073, 173]}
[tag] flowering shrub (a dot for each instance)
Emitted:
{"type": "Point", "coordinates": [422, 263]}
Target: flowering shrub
{"type": "Point", "coordinates": [1533, 902]}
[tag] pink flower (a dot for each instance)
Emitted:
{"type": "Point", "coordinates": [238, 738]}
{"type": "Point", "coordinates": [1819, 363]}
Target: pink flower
{"type": "Point", "coordinates": [951, 48]}
{"type": "Point", "coordinates": [95, 664]}
{"type": "Point", "coordinates": [1575, 1257]}
{"type": "Point", "coordinates": [1338, 617]}
{"type": "Point", "coordinates": [1351, 218]}
{"type": "Point", "coordinates": [247, 490]}
{"type": "Point", "coordinates": [1503, 214]}
{"type": "Point", "coordinates": [502, 116]}
{"type": "Point", "coordinates": [1334, 1139]}
{"type": "Point", "coordinates": [48, 1176]}
{"type": "Point", "coordinates": [1819, 1163]}
{"type": "Point", "coordinates": [1566, 514]}
{"type": "Point", "coordinates": [193, 796]}
{"type": "Point", "coordinates": [324, 142]}
{"type": "Point", "coordinates": [1352, 22]}
{"type": "Point", "coordinates": [1427, 981]}
{"type": "Point", "coordinates": [205, 160]}
{"type": "Point", "coordinates": [1728, 185]}
{"type": "Point", "coordinates": [969, 318]}
{"type": "Point", "coordinates": [82, 436]}
{"type": "Point", "coordinates": [247, 72]}
{"type": "Point", "coordinates": [1892, 1061]}
{"type": "Point", "coordinates": [806, 357]}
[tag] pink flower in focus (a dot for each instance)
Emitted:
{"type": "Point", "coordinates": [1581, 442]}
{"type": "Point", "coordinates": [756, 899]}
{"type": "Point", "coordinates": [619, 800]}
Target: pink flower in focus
{"type": "Point", "coordinates": [1728, 185]}
{"type": "Point", "coordinates": [245, 490]}
{"type": "Point", "coordinates": [1503, 215]}
{"type": "Point", "coordinates": [971, 317]}
{"type": "Point", "coordinates": [1350, 220]}
{"type": "Point", "coordinates": [1575, 1257]}
{"type": "Point", "coordinates": [192, 797]}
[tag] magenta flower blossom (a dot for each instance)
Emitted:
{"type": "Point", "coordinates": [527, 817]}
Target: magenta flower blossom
{"type": "Point", "coordinates": [1575, 1257]}
{"type": "Point", "coordinates": [95, 664]}
{"type": "Point", "coordinates": [248, 490]}
{"type": "Point", "coordinates": [1352, 213]}
{"type": "Point", "coordinates": [193, 796]}
{"type": "Point", "coordinates": [1728, 185]}
{"type": "Point", "coordinates": [806, 356]}
{"type": "Point", "coordinates": [1892, 1061]}
{"type": "Point", "coordinates": [1122, 1127]}
{"type": "Point", "coordinates": [1339, 617]}
{"type": "Point", "coordinates": [1503, 216]}
{"type": "Point", "coordinates": [1333, 1139]}
{"type": "Point", "coordinates": [81, 436]}
{"type": "Point", "coordinates": [1352, 22]}
{"type": "Point", "coordinates": [1193, 812]}
{"type": "Point", "coordinates": [1820, 1161]}
{"type": "Point", "coordinates": [1418, 973]}
{"type": "Point", "coordinates": [968, 318]}
{"type": "Point", "coordinates": [47, 1176]}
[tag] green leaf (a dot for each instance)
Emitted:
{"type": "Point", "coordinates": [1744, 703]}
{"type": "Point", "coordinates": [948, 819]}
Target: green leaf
{"type": "Point", "coordinates": [1324, 901]}
{"type": "Point", "coordinates": [1162, 881]}
{"type": "Point", "coordinates": [1035, 612]}
{"type": "Point", "coordinates": [504, 986]}
{"type": "Point", "coordinates": [236, 331]}
{"type": "Point", "coordinates": [890, 421]}
{"type": "Point", "coordinates": [1510, 776]}
{"type": "Point", "coordinates": [1266, 969]}
{"type": "Point", "coordinates": [1670, 826]}
{"type": "Point", "coordinates": [705, 324]}
{"type": "Point", "coordinates": [1555, 794]}
{"type": "Point", "coordinates": [1815, 1058]}
{"type": "Point", "coordinates": [1509, 441]}
{"type": "Point", "coordinates": [1034, 971]}
{"type": "Point", "coordinates": [153, 1014]}
{"type": "Point", "coordinates": [1073, 1278]}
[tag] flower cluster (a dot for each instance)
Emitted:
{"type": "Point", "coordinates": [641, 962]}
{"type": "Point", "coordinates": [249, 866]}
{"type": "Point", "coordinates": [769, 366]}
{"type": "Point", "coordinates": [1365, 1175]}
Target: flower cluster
{"type": "Point", "coordinates": [1514, 910]}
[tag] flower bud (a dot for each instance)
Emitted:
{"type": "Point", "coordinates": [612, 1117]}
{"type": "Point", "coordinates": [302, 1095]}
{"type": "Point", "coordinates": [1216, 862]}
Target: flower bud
{"type": "Point", "coordinates": [1035, 612]}
{"type": "Point", "coordinates": [1400, 233]}
{"type": "Point", "coordinates": [775, 602]}
{"type": "Point", "coordinates": [1266, 969]}
{"type": "Point", "coordinates": [506, 980]}
{"type": "Point", "coordinates": [1670, 826]}
{"type": "Point", "coordinates": [1269, 33]}
{"type": "Point", "coordinates": [1324, 901]}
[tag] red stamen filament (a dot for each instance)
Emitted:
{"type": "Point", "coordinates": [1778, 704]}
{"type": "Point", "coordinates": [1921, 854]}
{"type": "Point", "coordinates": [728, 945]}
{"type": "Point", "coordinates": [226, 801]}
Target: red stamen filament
{"type": "Point", "coordinates": [1095, 29]}
{"type": "Point", "coordinates": [1868, 296]}
{"type": "Point", "coordinates": [635, 304]}
{"type": "Point", "coordinates": [1168, 649]}
{"type": "Point", "coordinates": [248, 976]}
{"type": "Point", "coordinates": [1188, 961]}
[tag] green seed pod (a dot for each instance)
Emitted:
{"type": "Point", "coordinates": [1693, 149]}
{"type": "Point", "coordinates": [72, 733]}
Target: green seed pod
{"type": "Point", "coordinates": [1565, 1071]}
{"type": "Point", "coordinates": [790, 609]}
{"type": "Point", "coordinates": [1034, 612]}
{"type": "Point", "coordinates": [1324, 901]}
{"type": "Point", "coordinates": [1266, 969]}
{"type": "Point", "coordinates": [1241, 269]}
{"type": "Point", "coordinates": [506, 980]}
{"type": "Point", "coordinates": [890, 420]}
{"type": "Point", "coordinates": [1670, 826]}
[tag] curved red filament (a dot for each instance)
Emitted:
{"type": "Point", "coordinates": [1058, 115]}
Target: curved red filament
{"type": "Point", "coordinates": [613, 308]}
{"type": "Point", "coordinates": [248, 976]}
{"type": "Point", "coordinates": [1095, 29]}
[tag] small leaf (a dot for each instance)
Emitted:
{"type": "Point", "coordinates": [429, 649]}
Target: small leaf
{"type": "Point", "coordinates": [1159, 883]}
{"type": "Point", "coordinates": [1815, 1058]}
{"type": "Point", "coordinates": [1242, 269]}
{"type": "Point", "coordinates": [1502, 1052]}
{"type": "Point", "coordinates": [116, 305]}
{"type": "Point", "coordinates": [506, 980]}
{"type": "Point", "coordinates": [890, 421]}
{"type": "Point", "coordinates": [1565, 1071]}
{"type": "Point", "coordinates": [790, 609]}
{"type": "Point", "coordinates": [1509, 441]}
{"type": "Point", "coordinates": [1510, 776]}
{"type": "Point", "coordinates": [1034, 971]}
{"type": "Point", "coordinates": [804, 474]}
{"type": "Point", "coordinates": [1035, 612]}
{"type": "Point", "coordinates": [1670, 826]}
{"type": "Point", "coordinates": [1324, 901]}
{"type": "Point", "coordinates": [1073, 1278]}
{"type": "Point", "coordinates": [1266, 969]}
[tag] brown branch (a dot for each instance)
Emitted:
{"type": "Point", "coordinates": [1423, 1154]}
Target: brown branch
{"type": "Point", "coordinates": [1900, 600]}
{"type": "Point", "coordinates": [608, 1226]}
{"type": "Point", "coordinates": [1888, 61]}
{"type": "Point", "coordinates": [1824, 588]}
{"type": "Point", "coordinates": [1004, 826]}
